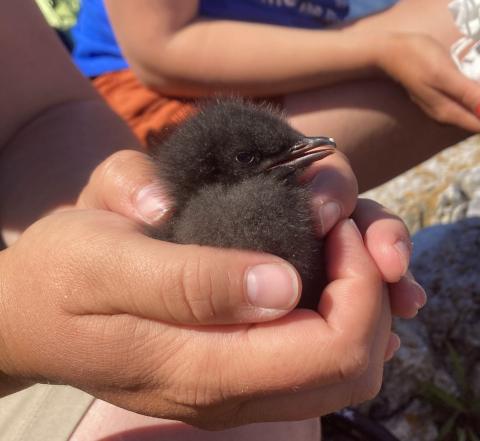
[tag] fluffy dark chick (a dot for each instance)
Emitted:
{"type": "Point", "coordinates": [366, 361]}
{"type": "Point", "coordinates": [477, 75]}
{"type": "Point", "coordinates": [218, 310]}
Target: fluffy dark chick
{"type": "Point", "coordinates": [232, 171]}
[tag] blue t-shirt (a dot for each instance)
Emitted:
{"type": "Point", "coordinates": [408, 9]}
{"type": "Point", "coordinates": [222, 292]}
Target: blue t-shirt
{"type": "Point", "coordinates": [96, 50]}
{"type": "Point", "coordinates": [295, 13]}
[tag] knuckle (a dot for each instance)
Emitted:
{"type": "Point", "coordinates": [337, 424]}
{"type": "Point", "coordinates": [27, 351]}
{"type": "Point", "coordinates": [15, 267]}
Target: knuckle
{"type": "Point", "coordinates": [202, 400]}
{"type": "Point", "coordinates": [214, 418]}
{"type": "Point", "coordinates": [116, 162]}
{"type": "Point", "coordinates": [367, 389]}
{"type": "Point", "coordinates": [355, 364]}
{"type": "Point", "coordinates": [435, 72]}
{"type": "Point", "coordinates": [372, 278]}
{"type": "Point", "coordinates": [194, 289]}
{"type": "Point", "coordinates": [375, 387]}
{"type": "Point", "coordinates": [441, 113]}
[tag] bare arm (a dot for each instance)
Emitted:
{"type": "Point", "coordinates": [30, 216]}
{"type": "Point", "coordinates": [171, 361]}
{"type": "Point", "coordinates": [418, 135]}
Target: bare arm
{"type": "Point", "coordinates": [174, 51]}
{"type": "Point", "coordinates": [55, 128]}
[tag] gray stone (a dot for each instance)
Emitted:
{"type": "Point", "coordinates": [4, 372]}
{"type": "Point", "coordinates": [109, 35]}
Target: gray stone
{"type": "Point", "coordinates": [471, 182]}
{"type": "Point", "coordinates": [412, 365]}
{"type": "Point", "coordinates": [460, 199]}
{"type": "Point", "coordinates": [446, 263]}
{"type": "Point", "coordinates": [413, 423]}
{"type": "Point", "coordinates": [474, 206]}
{"type": "Point", "coordinates": [422, 196]}
{"type": "Point", "coordinates": [476, 379]}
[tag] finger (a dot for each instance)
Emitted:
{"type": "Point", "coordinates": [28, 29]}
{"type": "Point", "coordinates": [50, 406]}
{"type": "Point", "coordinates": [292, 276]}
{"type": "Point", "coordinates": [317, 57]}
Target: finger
{"type": "Point", "coordinates": [334, 189]}
{"type": "Point", "coordinates": [407, 297]}
{"type": "Point", "coordinates": [462, 89]}
{"type": "Point", "coordinates": [448, 109]}
{"type": "Point", "coordinates": [386, 238]}
{"type": "Point", "coordinates": [315, 402]}
{"type": "Point", "coordinates": [127, 183]}
{"type": "Point", "coordinates": [353, 299]}
{"type": "Point", "coordinates": [451, 112]}
{"type": "Point", "coordinates": [363, 312]}
{"type": "Point", "coordinates": [394, 344]}
{"type": "Point", "coordinates": [182, 284]}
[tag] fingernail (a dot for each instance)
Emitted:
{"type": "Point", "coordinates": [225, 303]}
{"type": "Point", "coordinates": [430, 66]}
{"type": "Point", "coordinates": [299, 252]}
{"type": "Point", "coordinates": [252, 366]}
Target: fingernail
{"type": "Point", "coordinates": [150, 205]}
{"type": "Point", "coordinates": [272, 286]}
{"type": "Point", "coordinates": [477, 110]}
{"type": "Point", "coordinates": [420, 295]}
{"type": "Point", "coordinates": [353, 225]}
{"type": "Point", "coordinates": [329, 214]}
{"type": "Point", "coordinates": [404, 250]}
{"type": "Point", "coordinates": [394, 344]}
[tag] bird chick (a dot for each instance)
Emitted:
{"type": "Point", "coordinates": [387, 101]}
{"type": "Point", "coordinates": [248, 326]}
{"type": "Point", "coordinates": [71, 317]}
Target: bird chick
{"type": "Point", "coordinates": [232, 171]}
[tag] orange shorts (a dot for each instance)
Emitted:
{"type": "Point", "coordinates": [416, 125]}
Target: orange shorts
{"type": "Point", "coordinates": [145, 110]}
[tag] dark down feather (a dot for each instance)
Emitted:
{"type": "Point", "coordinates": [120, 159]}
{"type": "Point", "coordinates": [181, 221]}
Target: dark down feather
{"type": "Point", "coordinates": [218, 168]}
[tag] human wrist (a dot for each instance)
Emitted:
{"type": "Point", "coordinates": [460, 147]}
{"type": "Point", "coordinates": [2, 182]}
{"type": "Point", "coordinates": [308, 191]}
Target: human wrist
{"type": "Point", "coordinates": [362, 53]}
{"type": "Point", "coordinates": [385, 51]}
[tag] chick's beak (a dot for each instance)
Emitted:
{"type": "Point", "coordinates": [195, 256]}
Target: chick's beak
{"type": "Point", "coordinates": [302, 154]}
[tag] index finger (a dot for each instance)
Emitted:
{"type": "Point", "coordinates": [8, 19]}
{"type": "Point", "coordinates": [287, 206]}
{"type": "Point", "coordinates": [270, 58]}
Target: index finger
{"type": "Point", "coordinates": [466, 95]}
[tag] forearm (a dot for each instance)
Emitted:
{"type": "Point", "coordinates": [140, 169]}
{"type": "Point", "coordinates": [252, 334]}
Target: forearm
{"type": "Point", "coordinates": [203, 56]}
{"type": "Point", "coordinates": [268, 60]}
{"type": "Point", "coordinates": [46, 164]}
{"type": "Point", "coordinates": [55, 127]}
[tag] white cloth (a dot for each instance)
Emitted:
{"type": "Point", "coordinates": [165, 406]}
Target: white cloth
{"type": "Point", "coordinates": [466, 51]}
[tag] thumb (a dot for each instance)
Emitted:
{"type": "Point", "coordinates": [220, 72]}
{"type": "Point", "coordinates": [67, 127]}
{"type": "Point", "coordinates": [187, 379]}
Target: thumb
{"type": "Point", "coordinates": [127, 183]}
{"type": "Point", "coordinates": [184, 284]}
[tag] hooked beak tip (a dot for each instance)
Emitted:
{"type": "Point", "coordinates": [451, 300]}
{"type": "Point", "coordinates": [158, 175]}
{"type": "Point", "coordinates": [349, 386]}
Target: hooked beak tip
{"type": "Point", "coordinates": [306, 151]}
{"type": "Point", "coordinates": [317, 141]}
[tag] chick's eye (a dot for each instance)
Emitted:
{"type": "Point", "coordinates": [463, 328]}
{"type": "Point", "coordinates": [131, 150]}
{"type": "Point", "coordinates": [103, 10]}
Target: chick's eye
{"type": "Point", "coordinates": [245, 157]}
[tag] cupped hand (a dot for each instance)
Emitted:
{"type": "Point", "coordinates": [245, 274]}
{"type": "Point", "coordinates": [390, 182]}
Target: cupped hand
{"type": "Point", "coordinates": [127, 183]}
{"type": "Point", "coordinates": [88, 300]}
{"type": "Point", "coordinates": [426, 70]}
{"type": "Point", "coordinates": [85, 291]}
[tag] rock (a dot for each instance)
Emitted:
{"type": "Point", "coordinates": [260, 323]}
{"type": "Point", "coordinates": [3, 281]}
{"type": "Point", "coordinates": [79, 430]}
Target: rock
{"type": "Point", "coordinates": [460, 199]}
{"type": "Point", "coordinates": [446, 262]}
{"type": "Point", "coordinates": [476, 379]}
{"type": "Point", "coordinates": [412, 365]}
{"type": "Point", "coordinates": [413, 423]}
{"type": "Point", "coordinates": [419, 195]}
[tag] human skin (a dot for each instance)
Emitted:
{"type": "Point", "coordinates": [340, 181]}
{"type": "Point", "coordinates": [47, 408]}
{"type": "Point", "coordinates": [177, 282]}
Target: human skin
{"type": "Point", "coordinates": [55, 128]}
{"type": "Point", "coordinates": [88, 273]}
{"type": "Point", "coordinates": [88, 247]}
{"type": "Point", "coordinates": [173, 364]}
{"type": "Point", "coordinates": [383, 87]}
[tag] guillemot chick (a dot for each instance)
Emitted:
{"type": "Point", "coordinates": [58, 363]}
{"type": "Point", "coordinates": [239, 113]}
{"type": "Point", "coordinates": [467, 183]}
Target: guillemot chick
{"type": "Point", "coordinates": [232, 171]}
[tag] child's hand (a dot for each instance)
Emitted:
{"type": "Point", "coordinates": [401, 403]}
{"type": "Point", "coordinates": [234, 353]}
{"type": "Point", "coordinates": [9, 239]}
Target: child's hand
{"type": "Point", "coordinates": [426, 70]}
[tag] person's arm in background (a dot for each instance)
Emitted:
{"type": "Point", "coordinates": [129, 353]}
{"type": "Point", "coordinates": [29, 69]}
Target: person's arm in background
{"type": "Point", "coordinates": [55, 129]}
{"type": "Point", "coordinates": [173, 50]}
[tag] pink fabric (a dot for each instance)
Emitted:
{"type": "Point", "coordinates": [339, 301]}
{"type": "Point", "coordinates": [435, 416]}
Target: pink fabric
{"type": "Point", "coordinates": [105, 422]}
